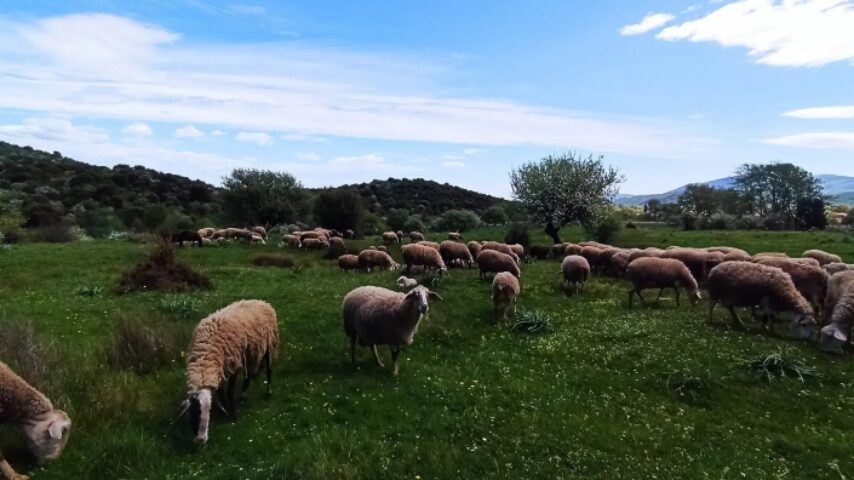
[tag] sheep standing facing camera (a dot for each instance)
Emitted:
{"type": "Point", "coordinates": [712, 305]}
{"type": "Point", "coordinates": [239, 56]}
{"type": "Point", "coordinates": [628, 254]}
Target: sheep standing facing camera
{"type": "Point", "coordinates": [24, 407]}
{"type": "Point", "coordinates": [505, 289]}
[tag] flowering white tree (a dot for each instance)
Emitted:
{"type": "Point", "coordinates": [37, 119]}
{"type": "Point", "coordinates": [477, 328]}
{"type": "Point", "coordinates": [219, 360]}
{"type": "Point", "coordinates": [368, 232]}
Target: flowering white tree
{"type": "Point", "coordinates": [564, 189]}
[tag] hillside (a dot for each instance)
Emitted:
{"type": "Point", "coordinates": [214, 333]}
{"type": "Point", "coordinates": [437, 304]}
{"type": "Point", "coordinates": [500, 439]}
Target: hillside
{"type": "Point", "coordinates": [420, 196]}
{"type": "Point", "coordinates": [839, 188]}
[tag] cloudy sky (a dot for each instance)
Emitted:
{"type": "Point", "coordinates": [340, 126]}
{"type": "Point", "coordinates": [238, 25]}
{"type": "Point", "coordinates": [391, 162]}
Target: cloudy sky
{"type": "Point", "coordinates": [457, 91]}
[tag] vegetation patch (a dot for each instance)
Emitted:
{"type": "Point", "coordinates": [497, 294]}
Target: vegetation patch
{"type": "Point", "coordinates": [689, 388]}
{"type": "Point", "coordinates": [163, 272]}
{"type": "Point", "coordinates": [141, 348]}
{"type": "Point", "coordinates": [179, 306]}
{"type": "Point", "coordinates": [277, 260]}
{"type": "Point", "coordinates": [780, 365]}
{"type": "Point", "coordinates": [533, 322]}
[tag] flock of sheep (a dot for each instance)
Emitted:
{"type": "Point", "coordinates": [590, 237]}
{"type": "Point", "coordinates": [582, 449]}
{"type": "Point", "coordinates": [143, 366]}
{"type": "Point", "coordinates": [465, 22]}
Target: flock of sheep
{"type": "Point", "coordinates": [243, 338]}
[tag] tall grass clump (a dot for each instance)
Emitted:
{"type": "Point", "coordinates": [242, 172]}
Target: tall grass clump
{"type": "Point", "coordinates": [532, 322]}
{"type": "Point", "coordinates": [781, 364]}
{"type": "Point", "coordinates": [277, 260]}
{"type": "Point", "coordinates": [163, 272]}
{"type": "Point", "coordinates": [142, 348]}
{"type": "Point", "coordinates": [179, 306]}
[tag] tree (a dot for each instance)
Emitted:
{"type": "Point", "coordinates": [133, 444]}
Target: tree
{"type": "Point", "coordinates": [494, 215]}
{"type": "Point", "coordinates": [340, 209]}
{"type": "Point", "coordinates": [396, 218]}
{"type": "Point", "coordinates": [564, 189]}
{"type": "Point", "coordinates": [652, 209]}
{"type": "Point", "coordinates": [776, 188]}
{"type": "Point", "coordinates": [810, 213]}
{"type": "Point", "coordinates": [263, 197]}
{"type": "Point", "coordinates": [457, 221]}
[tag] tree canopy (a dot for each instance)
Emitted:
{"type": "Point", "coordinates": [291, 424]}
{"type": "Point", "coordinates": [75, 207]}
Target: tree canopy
{"type": "Point", "coordinates": [263, 197]}
{"type": "Point", "coordinates": [776, 188]}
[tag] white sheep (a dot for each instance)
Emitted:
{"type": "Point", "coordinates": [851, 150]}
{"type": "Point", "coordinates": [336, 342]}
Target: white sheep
{"type": "Point", "coordinates": [417, 255]}
{"type": "Point", "coordinates": [405, 283]}
{"type": "Point", "coordinates": [378, 316]}
{"type": "Point", "coordinates": [241, 337]}
{"type": "Point", "coordinates": [840, 304]}
{"type": "Point", "coordinates": [22, 406]}
{"type": "Point", "coordinates": [495, 261]}
{"type": "Point", "coordinates": [505, 289]}
{"type": "Point", "coordinates": [661, 273]}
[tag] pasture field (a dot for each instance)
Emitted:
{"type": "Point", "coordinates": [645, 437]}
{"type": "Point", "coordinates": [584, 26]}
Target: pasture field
{"type": "Point", "coordinates": [653, 392]}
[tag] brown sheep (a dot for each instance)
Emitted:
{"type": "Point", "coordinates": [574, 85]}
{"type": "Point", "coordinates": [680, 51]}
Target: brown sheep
{"type": "Point", "coordinates": [495, 261]}
{"type": "Point", "coordinates": [823, 257]}
{"type": "Point", "coordinates": [427, 243]}
{"type": "Point", "coordinates": [319, 243]}
{"type": "Point", "coordinates": [474, 249]}
{"type": "Point", "coordinates": [505, 289]}
{"type": "Point", "coordinates": [390, 237]}
{"type": "Point", "coordinates": [575, 270]}
{"type": "Point", "coordinates": [836, 334]}
{"type": "Point", "coordinates": [369, 259]}
{"type": "Point", "coordinates": [453, 251]}
{"type": "Point", "coordinates": [348, 262]}
{"type": "Point", "coordinates": [415, 236]}
{"type": "Point", "coordinates": [455, 236]}
{"type": "Point", "coordinates": [810, 280]}
{"type": "Point", "coordinates": [661, 273]}
{"type": "Point", "coordinates": [417, 255]}
{"type": "Point", "coordinates": [836, 267]}
{"type": "Point", "coordinates": [500, 247]}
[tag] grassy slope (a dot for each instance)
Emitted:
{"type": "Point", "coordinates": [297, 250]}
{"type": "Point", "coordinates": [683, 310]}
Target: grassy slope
{"type": "Point", "coordinates": [472, 400]}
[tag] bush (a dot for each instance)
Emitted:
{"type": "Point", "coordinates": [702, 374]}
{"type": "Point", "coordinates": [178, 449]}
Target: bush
{"type": "Point", "coordinates": [457, 221]}
{"type": "Point", "coordinates": [518, 233]}
{"type": "Point", "coordinates": [372, 224]}
{"type": "Point", "coordinates": [718, 221]}
{"type": "Point", "coordinates": [775, 222]}
{"type": "Point", "coordinates": [163, 272]}
{"type": "Point", "coordinates": [810, 214]}
{"type": "Point", "coordinates": [605, 230]}
{"type": "Point", "coordinates": [396, 218]}
{"type": "Point", "coordinates": [340, 209]}
{"type": "Point", "coordinates": [688, 221]}
{"type": "Point", "coordinates": [494, 215]}
{"type": "Point", "coordinates": [749, 222]}
{"type": "Point", "coordinates": [414, 223]}
{"type": "Point", "coordinates": [142, 349]}
{"type": "Point", "coordinates": [273, 260]}
{"type": "Point", "coordinates": [56, 233]}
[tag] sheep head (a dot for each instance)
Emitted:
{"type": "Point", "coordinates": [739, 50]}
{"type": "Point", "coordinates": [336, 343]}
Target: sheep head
{"type": "Point", "coordinates": [198, 409]}
{"type": "Point", "coordinates": [803, 325]}
{"type": "Point", "coordinates": [47, 434]}
{"type": "Point", "coordinates": [418, 298]}
{"type": "Point", "coordinates": [833, 338]}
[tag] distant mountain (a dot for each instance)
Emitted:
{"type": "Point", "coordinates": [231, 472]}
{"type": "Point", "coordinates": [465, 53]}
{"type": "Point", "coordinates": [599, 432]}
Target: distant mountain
{"type": "Point", "coordinates": [838, 187]}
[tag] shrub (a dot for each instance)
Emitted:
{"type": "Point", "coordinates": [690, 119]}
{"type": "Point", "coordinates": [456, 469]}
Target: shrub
{"type": "Point", "coordinates": [56, 233]}
{"type": "Point", "coordinates": [774, 221]}
{"type": "Point", "coordinates": [532, 322]}
{"type": "Point", "coordinates": [457, 221]}
{"type": "Point", "coordinates": [141, 348]}
{"type": "Point", "coordinates": [372, 224]}
{"type": "Point", "coordinates": [605, 230]}
{"type": "Point", "coordinates": [179, 306]}
{"type": "Point", "coordinates": [340, 209]}
{"type": "Point", "coordinates": [518, 233]}
{"type": "Point", "coordinates": [494, 215]}
{"type": "Point", "coordinates": [688, 221]}
{"type": "Point", "coordinates": [24, 353]}
{"type": "Point", "coordinates": [414, 223]}
{"type": "Point", "coordinates": [273, 260]}
{"type": "Point", "coordinates": [163, 272]}
{"type": "Point", "coordinates": [396, 218]}
{"type": "Point", "coordinates": [718, 221]}
{"type": "Point", "coordinates": [749, 222]}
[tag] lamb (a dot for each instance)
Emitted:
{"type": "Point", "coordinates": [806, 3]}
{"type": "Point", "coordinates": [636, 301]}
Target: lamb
{"type": "Point", "coordinates": [22, 406]}
{"type": "Point", "coordinates": [257, 239]}
{"type": "Point", "coordinates": [745, 284]}
{"type": "Point", "coordinates": [433, 245]}
{"type": "Point", "coordinates": [455, 236]}
{"type": "Point", "coordinates": [415, 236]}
{"type": "Point", "coordinates": [823, 257]}
{"type": "Point", "coordinates": [500, 247]}
{"type": "Point", "coordinates": [349, 233]}
{"type": "Point", "coordinates": [378, 316]}
{"type": "Point", "coordinates": [390, 237]}
{"type": "Point", "coordinates": [810, 279]}
{"type": "Point", "coordinates": [368, 259]}
{"type": "Point", "coordinates": [661, 273]}
{"type": "Point", "coordinates": [348, 262]}
{"type": "Point", "coordinates": [405, 282]}
{"type": "Point", "coordinates": [416, 254]}
{"type": "Point", "coordinates": [840, 301]}
{"type": "Point", "coordinates": [575, 270]}
{"type": "Point", "coordinates": [312, 243]}
{"type": "Point", "coordinates": [836, 267]}
{"type": "Point", "coordinates": [206, 232]}
{"type": "Point", "coordinates": [259, 231]}
{"type": "Point", "coordinates": [495, 261]}
{"type": "Point", "coordinates": [474, 249]}
{"type": "Point", "coordinates": [505, 289]}
{"type": "Point", "coordinates": [241, 337]}
{"type": "Point", "coordinates": [291, 240]}
{"type": "Point", "coordinates": [452, 251]}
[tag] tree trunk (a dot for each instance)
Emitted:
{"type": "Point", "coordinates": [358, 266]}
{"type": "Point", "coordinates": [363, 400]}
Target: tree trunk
{"type": "Point", "coordinates": [552, 231]}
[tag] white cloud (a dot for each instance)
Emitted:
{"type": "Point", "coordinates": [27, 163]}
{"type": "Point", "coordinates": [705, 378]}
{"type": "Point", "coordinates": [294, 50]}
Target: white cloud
{"type": "Point", "coordinates": [367, 160]}
{"type": "Point", "coordinates": [296, 137]}
{"type": "Point", "coordinates": [189, 131]}
{"type": "Point", "coordinates": [453, 164]}
{"type": "Point", "coordinates": [54, 129]}
{"type": "Point", "coordinates": [835, 112]}
{"type": "Point", "coordinates": [247, 9]}
{"type": "Point", "coordinates": [821, 140]}
{"type": "Point", "coordinates": [261, 138]}
{"type": "Point", "coordinates": [473, 151]}
{"type": "Point", "coordinates": [791, 33]}
{"type": "Point", "coordinates": [138, 130]}
{"type": "Point", "coordinates": [452, 157]}
{"type": "Point", "coordinates": [217, 133]}
{"type": "Point", "coordinates": [308, 156]}
{"type": "Point", "coordinates": [650, 22]}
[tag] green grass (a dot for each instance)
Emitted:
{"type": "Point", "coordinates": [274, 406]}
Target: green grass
{"type": "Point", "coordinates": [607, 393]}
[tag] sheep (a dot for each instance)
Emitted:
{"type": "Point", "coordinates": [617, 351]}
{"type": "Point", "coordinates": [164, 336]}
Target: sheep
{"type": "Point", "coordinates": [836, 267]}
{"type": "Point", "coordinates": [770, 254]}
{"type": "Point", "coordinates": [186, 236]}
{"type": "Point", "coordinates": [257, 239]}
{"type": "Point", "coordinates": [348, 262]}
{"type": "Point", "coordinates": [540, 252]}
{"type": "Point", "coordinates": [46, 428]}
{"type": "Point", "coordinates": [206, 232]}
{"type": "Point", "coordinates": [575, 269]}
{"type": "Point", "coordinates": [313, 234]}
{"type": "Point", "coordinates": [399, 235]}
{"type": "Point", "coordinates": [646, 252]}
{"type": "Point", "coordinates": [452, 251]}
{"type": "Point", "coordinates": [368, 259]}
{"type": "Point", "coordinates": [415, 236]}
{"type": "Point", "coordinates": [474, 249]}
{"type": "Point", "coordinates": [207, 241]}
{"type": "Point", "coordinates": [291, 240]}
{"type": "Point", "coordinates": [731, 253]}
{"type": "Point", "coordinates": [495, 261]}
{"type": "Point", "coordinates": [518, 249]}
{"type": "Point", "coordinates": [336, 243]}
{"type": "Point", "coordinates": [405, 282]}
{"type": "Point", "coordinates": [558, 250]}
{"type": "Point", "coordinates": [500, 247]}
{"type": "Point", "coordinates": [390, 237]}
{"type": "Point", "coordinates": [241, 337]}
{"type": "Point", "coordinates": [810, 279]}
{"type": "Point", "coordinates": [220, 234]}
{"type": "Point", "coordinates": [349, 233]}
{"type": "Point", "coordinates": [592, 255]}
{"type": "Point", "coordinates": [572, 249]}
{"type": "Point", "coordinates": [433, 245]}
{"type": "Point", "coordinates": [620, 261]}
{"type": "Point", "coordinates": [416, 254]}
{"type": "Point", "coordinates": [505, 289]}
{"type": "Point", "coordinates": [315, 243]}
{"type": "Point", "coordinates": [455, 236]}
{"type": "Point", "coordinates": [823, 257]}
{"type": "Point", "coordinates": [840, 302]}
{"type": "Point", "coordinates": [259, 231]}
{"type": "Point", "coordinates": [698, 261]}
{"type": "Point", "coordinates": [378, 316]}
{"type": "Point", "coordinates": [745, 284]}
{"type": "Point", "coordinates": [661, 273]}
{"type": "Point", "coordinates": [382, 248]}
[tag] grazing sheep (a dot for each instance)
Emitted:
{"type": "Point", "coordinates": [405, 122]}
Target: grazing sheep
{"type": "Point", "coordinates": [700, 262]}
{"type": "Point", "coordinates": [390, 237]}
{"type": "Point", "coordinates": [540, 252]}
{"type": "Point", "coordinates": [241, 337]}
{"type": "Point", "coordinates": [257, 239]}
{"type": "Point", "coordinates": [646, 252]}
{"type": "Point", "coordinates": [572, 249]}
{"type": "Point", "coordinates": [336, 243]}
{"type": "Point", "coordinates": [313, 234]}
{"type": "Point", "coordinates": [186, 236]}
{"type": "Point", "coordinates": [311, 243]}
{"type": "Point", "coordinates": [737, 256]}
{"type": "Point", "coordinates": [770, 254]}
{"type": "Point", "coordinates": [348, 262]}
{"type": "Point", "coordinates": [399, 234]}
{"type": "Point", "coordinates": [426, 243]}
{"type": "Point", "coordinates": [495, 261]}
{"type": "Point", "coordinates": [382, 248]}
{"type": "Point", "coordinates": [575, 269]}
{"type": "Point", "coordinates": [810, 279]}
{"type": "Point", "coordinates": [518, 249]}
{"type": "Point", "coordinates": [592, 254]}
{"type": "Point", "coordinates": [474, 249]}
{"type": "Point", "coordinates": [661, 273]}
{"type": "Point", "coordinates": [259, 231]}
{"type": "Point", "coordinates": [206, 232]}
{"type": "Point", "coordinates": [349, 233]}
{"type": "Point", "coordinates": [836, 267]}
{"type": "Point", "coordinates": [558, 250]}
{"type": "Point", "coordinates": [823, 257]}
{"type": "Point", "coordinates": [620, 261]}
{"type": "Point", "coordinates": [369, 259]}
{"type": "Point", "coordinates": [455, 236]}
{"type": "Point", "coordinates": [207, 241]}
{"type": "Point", "coordinates": [220, 234]}
{"type": "Point", "coordinates": [291, 240]}
{"type": "Point", "coordinates": [25, 408]}
{"type": "Point", "coordinates": [378, 316]}
{"type": "Point", "coordinates": [415, 236]}
{"type": "Point", "coordinates": [745, 284]}
{"type": "Point", "coordinates": [405, 282]}
{"type": "Point", "coordinates": [453, 251]}
{"type": "Point", "coordinates": [840, 306]}
{"type": "Point", "coordinates": [500, 247]}
{"type": "Point", "coordinates": [418, 255]}
{"type": "Point", "coordinates": [505, 289]}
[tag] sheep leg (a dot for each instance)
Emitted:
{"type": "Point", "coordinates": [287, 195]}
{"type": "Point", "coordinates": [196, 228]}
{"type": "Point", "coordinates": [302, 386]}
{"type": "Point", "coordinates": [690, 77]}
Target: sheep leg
{"type": "Point", "coordinates": [7, 470]}
{"type": "Point", "coordinates": [676, 289]}
{"type": "Point", "coordinates": [660, 292]}
{"type": "Point", "coordinates": [269, 367]}
{"type": "Point", "coordinates": [376, 356]}
{"type": "Point", "coordinates": [736, 322]}
{"type": "Point", "coordinates": [712, 305]}
{"type": "Point", "coordinates": [353, 350]}
{"type": "Point", "coordinates": [631, 297]}
{"type": "Point", "coordinates": [232, 406]}
{"type": "Point", "coordinates": [395, 354]}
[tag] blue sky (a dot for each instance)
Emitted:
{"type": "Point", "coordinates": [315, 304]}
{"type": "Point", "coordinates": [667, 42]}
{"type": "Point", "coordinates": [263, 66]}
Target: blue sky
{"type": "Point", "coordinates": [670, 92]}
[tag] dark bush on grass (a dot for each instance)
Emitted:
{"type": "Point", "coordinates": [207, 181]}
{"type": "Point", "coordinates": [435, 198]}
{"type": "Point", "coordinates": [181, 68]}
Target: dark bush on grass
{"type": "Point", "coordinates": [141, 348]}
{"type": "Point", "coordinates": [540, 252]}
{"type": "Point", "coordinates": [163, 272]}
{"type": "Point", "coordinates": [56, 233]}
{"type": "Point", "coordinates": [518, 233]}
{"type": "Point", "coordinates": [273, 260]}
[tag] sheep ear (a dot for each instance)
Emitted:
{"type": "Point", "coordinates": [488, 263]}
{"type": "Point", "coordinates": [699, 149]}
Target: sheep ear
{"type": "Point", "coordinates": [58, 428]}
{"type": "Point", "coordinates": [182, 409]}
{"type": "Point", "coordinates": [434, 295]}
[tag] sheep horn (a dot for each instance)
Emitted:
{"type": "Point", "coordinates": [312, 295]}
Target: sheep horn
{"type": "Point", "coordinates": [434, 295]}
